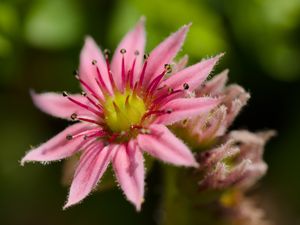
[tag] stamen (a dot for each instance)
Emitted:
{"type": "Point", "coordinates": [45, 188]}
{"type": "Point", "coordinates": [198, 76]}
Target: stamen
{"type": "Point", "coordinates": [90, 121]}
{"type": "Point", "coordinates": [74, 116]}
{"type": "Point", "coordinates": [86, 132]}
{"type": "Point", "coordinates": [168, 68]}
{"type": "Point", "coordinates": [123, 51]}
{"type": "Point", "coordinates": [65, 94]}
{"type": "Point", "coordinates": [84, 106]}
{"type": "Point", "coordinates": [164, 97]}
{"type": "Point", "coordinates": [111, 79]}
{"type": "Point", "coordinates": [130, 77]}
{"type": "Point", "coordinates": [75, 72]}
{"type": "Point", "coordinates": [136, 127]}
{"type": "Point", "coordinates": [99, 133]}
{"type": "Point", "coordinates": [94, 62]}
{"type": "Point", "coordinates": [169, 111]}
{"type": "Point", "coordinates": [106, 53]}
{"type": "Point", "coordinates": [69, 137]}
{"type": "Point", "coordinates": [143, 70]}
{"type": "Point", "coordinates": [152, 112]}
{"type": "Point", "coordinates": [154, 83]}
{"type": "Point", "coordinates": [113, 137]}
{"type": "Point", "coordinates": [102, 84]}
{"type": "Point", "coordinates": [186, 86]}
{"type": "Point", "coordinates": [94, 103]}
{"type": "Point", "coordinates": [87, 87]}
{"type": "Point", "coordinates": [145, 131]}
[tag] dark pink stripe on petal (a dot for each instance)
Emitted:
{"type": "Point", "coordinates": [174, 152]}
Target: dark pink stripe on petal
{"type": "Point", "coordinates": [58, 147]}
{"type": "Point", "coordinates": [184, 108]}
{"type": "Point", "coordinates": [87, 71]}
{"type": "Point", "coordinates": [59, 106]}
{"type": "Point", "coordinates": [91, 167]}
{"type": "Point", "coordinates": [194, 75]}
{"type": "Point", "coordinates": [164, 53]}
{"type": "Point", "coordinates": [133, 41]}
{"type": "Point", "coordinates": [128, 164]}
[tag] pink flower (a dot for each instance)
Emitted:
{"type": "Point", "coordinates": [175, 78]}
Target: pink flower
{"type": "Point", "coordinates": [203, 130]}
{"type": "Point", "coordinates": [238, 162]}
{"type": "Point", "coordinates": [123, 112]}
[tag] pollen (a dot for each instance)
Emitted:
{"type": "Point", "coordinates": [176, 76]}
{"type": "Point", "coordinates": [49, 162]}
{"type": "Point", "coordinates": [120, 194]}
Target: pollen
{"type": "Point", "coordinates": [123, 110]}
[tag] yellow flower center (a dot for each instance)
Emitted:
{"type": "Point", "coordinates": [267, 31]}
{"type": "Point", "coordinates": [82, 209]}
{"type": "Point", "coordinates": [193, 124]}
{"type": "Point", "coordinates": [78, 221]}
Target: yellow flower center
{"type": "Point", "coordinates": [123, 110]}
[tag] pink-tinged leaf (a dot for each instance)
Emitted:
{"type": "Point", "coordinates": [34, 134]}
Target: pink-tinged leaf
{"type": "Point", "coordinates": [58, 147]}
{"type": "Point", "coordinates": [194, 75]}
{"type": "Point", "coordinates": [185, 108]}
{"type": "Point", "coordinates": [128, 164]}
{"type": "Point", "coordinates": [164, 145]}
{"type": "Point", "coordinates": [87, 71]}
{"type": "Point", "coordinates": [215, 86]}
{"type": "Point", "coordinates": [91, 167]}
{"type": "Point", "coordinates": [164, 53]}
{"type": "Point", "coordinates": [56, 105]}
{"type": "Point", "coordinates": [133, 42]}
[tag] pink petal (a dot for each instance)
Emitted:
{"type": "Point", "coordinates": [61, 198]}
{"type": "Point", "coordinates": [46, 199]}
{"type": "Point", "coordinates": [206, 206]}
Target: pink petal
{"type": "Point", "coordinates": [181, 64]}
{"type": "Point", "coordinates": [58, 147]}
{"type": "Point", "coordinates": [194, 75]}
{"type": "Point", "coordinates": [133, 41]}
{"type": "Point", "coordinates": [57, 105]}
{"type": "Point", "coordinates": [164, 53]}
{"type": "Point", "coordinates": [128, 164]}
{"type": "Point", "coordinates": [88, 71]}
{"type": "Point", "coordinates": [184, 108]}
{"type": "Point", "coordinates": [214, 86]}
{"type": "Point", "coordinates": [92, 165]}
{"type": "Point", "coordinates": [164, 145]}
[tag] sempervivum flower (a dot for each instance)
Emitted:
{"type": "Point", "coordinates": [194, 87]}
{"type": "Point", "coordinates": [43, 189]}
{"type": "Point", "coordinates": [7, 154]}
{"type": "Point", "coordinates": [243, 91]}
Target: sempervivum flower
{"type": "Point", "coordinates": [236, 163]}
{"type": "Point", "coordinates": [202, 130]}
{"type": "Point", "coordinates": [123, 111]}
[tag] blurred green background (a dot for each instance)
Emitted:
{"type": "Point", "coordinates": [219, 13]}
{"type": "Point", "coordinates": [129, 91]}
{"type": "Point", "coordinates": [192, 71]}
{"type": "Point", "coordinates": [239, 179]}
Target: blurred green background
{"type": "Point", "coordinates": [40, 41]}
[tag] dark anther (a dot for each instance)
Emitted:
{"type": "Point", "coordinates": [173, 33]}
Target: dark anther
{"type": "Point", "coordinates": [85, 137]}
{"type": "Point", "coordinates": [65, 94]}
{"type": "Point", "coordinates": [146, 56]}
{"type": "Point", "coordinates": [123, 51]}
{"type": "Point", "coordinates": [136, 52]}
{"type": "Point", "coordinates": [83, 93]}
{"type": "Point", "coordinates": [184, 122]}
{"type": "Point", "coordinates": [168, 68]}
{"type": "Point", "coordinates": [106, 52]}
{"type": "Point", "coordinates": [169, 111]}
{"type": "Point", "coordinates": [145, 131]}
{"type": "Point", "coordinates": [170, 90]}
{"type": "Point", "coordinates": [186, 86]}
{"type": "Point", "coordinates": [75, 72]}
{"type": "Point", "coordinates": [69, 137]}
{"type": "Point", "coordinates": [94, 62]}
{"type": "Point", "coordinates": [74, 116]}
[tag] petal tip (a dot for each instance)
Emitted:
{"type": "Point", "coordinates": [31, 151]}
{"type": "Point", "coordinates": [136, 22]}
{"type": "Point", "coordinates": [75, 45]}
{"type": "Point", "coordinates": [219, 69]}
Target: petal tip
{"type": "Point", "coordinates": [220, 55]}
{"type": "Point", "coordinates": [142, 20]}
{"type": "Point", "coordinates": [195, 164]}
{"type": "Point", "coordinates": [185, 28]}
{"type": "Point", "coordinates": [69, 204]}
{"type": "Point", "coordinates": [138, 205]}
{"type": "Point", "coordinates": [23, 161]}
